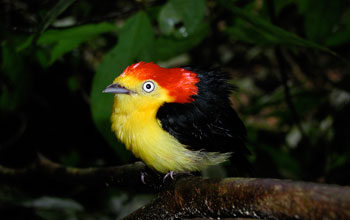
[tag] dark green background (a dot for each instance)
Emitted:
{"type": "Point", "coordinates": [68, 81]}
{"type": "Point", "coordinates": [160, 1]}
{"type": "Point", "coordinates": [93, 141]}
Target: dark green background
{"type": "Point", "coordinates": [57, 56]}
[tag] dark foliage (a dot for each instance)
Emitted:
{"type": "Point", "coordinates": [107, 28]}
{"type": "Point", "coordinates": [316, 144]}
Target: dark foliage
{"type": "Point", "coordinates": [288, 60]}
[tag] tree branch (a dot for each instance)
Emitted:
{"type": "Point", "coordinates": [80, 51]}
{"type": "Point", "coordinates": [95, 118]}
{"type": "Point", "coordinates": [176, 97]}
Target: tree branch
{"type": "Point", "coordinates": [190, 196]}
{"type": "Point", "coordinates": [242, 197]}
{"type": "Point", "coordinates": [45, 175]}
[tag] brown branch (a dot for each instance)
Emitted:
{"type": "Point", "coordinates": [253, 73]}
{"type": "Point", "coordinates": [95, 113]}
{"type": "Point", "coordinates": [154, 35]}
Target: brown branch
{"type": "Point", "coordinates": [254, 198]}
{"type": "Point", "coordinates": [45, 175]}
{"type": "Point", "coordinates": [190, 196]}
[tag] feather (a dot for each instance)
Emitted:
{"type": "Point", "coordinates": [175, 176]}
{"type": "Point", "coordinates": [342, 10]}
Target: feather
{"type": "Point", "coordinates": [209, 123]}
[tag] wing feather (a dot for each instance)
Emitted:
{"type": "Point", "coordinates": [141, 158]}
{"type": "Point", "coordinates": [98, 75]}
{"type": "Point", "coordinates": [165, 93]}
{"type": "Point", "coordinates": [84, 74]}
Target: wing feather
{"type": "Point", "coordinates": [208, 123]}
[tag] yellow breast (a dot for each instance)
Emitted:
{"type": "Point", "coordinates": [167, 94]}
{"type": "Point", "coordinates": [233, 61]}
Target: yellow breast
{"type": "Point", "coordinates": [135, 124]}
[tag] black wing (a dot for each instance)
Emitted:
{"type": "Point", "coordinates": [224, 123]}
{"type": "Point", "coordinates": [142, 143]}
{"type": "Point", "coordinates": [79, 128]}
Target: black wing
{"type": "Point", "coordinates": [208, 123]}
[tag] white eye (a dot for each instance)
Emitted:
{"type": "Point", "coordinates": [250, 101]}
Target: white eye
{"type": "Point", "coordinates": [148, 86]}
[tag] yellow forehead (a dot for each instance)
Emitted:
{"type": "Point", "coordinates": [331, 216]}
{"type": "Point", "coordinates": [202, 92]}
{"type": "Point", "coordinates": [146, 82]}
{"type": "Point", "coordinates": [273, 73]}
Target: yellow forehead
{"type": "Point", "coordinates": [134, 84]}
{"type": "Point", "coordinates": [128, 82]}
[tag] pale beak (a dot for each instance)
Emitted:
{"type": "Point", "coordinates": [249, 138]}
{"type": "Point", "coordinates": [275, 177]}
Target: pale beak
{"type": "Point", "coordinates": [116, 89]}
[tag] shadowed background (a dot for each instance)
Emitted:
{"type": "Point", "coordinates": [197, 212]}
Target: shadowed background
{"type": "Point", "coordinates": [288, 60]}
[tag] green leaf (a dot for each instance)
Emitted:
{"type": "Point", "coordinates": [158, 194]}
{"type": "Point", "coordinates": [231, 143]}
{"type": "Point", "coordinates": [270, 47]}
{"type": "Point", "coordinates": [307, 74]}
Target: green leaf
{"type": "Point", "coordinates": [338, 38]}
{"type": "Point", "coordinates": [79, 32]}
{"type": "Point", "coordinates": [15, 84]}
{"type": "Point", "coordinates": [66, 40]}
{"type": "Point", "coordinates": [191, 13]}
{"type": "Point", "coordinates": [342, 35]}
{"type": "Point", "coordinates": [320, 18]}
{"type": "Point", "coordinates": [42, 57]}
{"type": "Point", "coordinates": [270, 33]}
{"type": "Point", "coordinates": [136, 41]}
{"type": "Point", "coordinates": [25, 43]}
{"type": "Point", "coordinates": [168, 18]}
{"type": "Point", "coordinates": [51, 15]}
{"type": "Point", "coordinates": [253, 35]}
{"type": "Point", "coordinates": [167, 47]}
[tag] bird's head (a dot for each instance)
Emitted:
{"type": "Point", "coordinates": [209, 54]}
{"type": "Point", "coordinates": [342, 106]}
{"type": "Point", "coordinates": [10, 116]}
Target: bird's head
{"type": "Point", "coordinates": [147, 84]}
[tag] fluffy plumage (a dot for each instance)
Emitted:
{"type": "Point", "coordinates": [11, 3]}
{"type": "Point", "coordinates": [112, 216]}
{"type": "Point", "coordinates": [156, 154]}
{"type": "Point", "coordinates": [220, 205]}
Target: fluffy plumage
{"type": "Point", "coordinates": [185, 124]}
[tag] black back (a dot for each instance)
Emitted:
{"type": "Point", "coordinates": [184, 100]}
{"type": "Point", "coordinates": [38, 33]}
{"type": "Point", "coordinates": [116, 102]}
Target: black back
{"type": "Point", "coordinates": [208, 123]}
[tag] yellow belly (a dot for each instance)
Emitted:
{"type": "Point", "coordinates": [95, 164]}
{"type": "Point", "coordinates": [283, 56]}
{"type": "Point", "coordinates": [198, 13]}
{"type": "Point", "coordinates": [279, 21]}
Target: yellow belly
{"type": "Point", "coordinates": [141, 132]}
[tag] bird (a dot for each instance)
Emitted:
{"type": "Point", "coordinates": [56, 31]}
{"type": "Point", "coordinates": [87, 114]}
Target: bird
{"type": "Point", "coordinates": [177, 119]}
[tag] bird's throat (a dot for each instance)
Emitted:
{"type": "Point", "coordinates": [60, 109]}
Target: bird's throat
{"type": "Point", "coordinates": [136, 125]}
{"type": "Point", "coordinates": [142, 133]}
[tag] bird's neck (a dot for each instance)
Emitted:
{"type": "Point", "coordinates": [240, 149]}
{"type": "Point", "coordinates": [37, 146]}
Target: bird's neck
{"type": "Point", "coordinates": [131, 118]}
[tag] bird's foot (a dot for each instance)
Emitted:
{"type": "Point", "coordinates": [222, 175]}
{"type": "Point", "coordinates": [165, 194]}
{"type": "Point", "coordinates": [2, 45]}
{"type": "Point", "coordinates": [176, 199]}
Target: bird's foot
{"type": "Point", "coordinates": [169, 174]}
{"type": "Point", "coordinates": [143, 175]}
{"type": "Point", "coordinates": [150, 177]}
